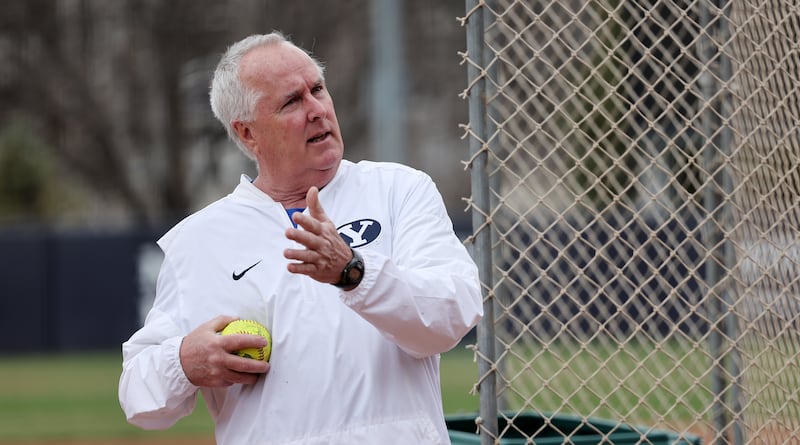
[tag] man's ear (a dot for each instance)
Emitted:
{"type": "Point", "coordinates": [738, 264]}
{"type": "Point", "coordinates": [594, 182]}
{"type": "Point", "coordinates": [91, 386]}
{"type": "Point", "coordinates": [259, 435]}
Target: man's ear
{"type": "Point", "coordinates": [244, 134]}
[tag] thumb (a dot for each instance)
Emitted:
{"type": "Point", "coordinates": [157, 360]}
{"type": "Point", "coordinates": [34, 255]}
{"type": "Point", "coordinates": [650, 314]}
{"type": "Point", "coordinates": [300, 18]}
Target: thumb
{"type": "Point", "coordinates": [218, 323]}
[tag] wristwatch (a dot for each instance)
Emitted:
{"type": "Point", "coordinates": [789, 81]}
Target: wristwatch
{"type": "Point", "coordinates": [352, 273]}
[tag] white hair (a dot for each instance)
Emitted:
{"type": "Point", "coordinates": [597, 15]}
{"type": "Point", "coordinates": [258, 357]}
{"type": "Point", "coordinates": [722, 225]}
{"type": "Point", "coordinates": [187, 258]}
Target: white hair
{"type": "Point", "coordinates": [232, 100]}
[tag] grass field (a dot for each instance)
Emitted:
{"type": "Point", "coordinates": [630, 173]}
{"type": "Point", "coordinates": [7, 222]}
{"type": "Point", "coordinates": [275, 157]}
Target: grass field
{"type": "Point", "coordinates": [74, 397]}
{"type": "Point", "coordinates": [643, 380]}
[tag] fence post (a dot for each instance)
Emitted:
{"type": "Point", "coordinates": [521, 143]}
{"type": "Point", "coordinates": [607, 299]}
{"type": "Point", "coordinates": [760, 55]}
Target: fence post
{"type": "Point", "coordinates": [719, 140]}
{"type": "Point", "coordinates": [482, 249]}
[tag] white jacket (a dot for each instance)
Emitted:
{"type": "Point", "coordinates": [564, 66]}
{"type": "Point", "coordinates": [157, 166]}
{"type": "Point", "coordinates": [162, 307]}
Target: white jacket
{"type": "Point", "coordinates": [356, 367]}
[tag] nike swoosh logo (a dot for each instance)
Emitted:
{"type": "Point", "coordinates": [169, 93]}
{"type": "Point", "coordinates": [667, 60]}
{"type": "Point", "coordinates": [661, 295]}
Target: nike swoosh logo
{"type": "Point", "coordinates": [238, 276]}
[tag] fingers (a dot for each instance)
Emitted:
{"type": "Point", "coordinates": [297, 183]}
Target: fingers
{"type": "Point", "coordinates": [316, 218]}
{"type": "Point", "coordinates": [207, 360]}
{"type": "Point", "coordinates": [232, 369]}
{"type": "Point", "coordinates": [246, 365]}
{"type": "Point", "coordinates": [308, 223]}
{"type": "Point", "coordinates": [302, 256]}
{"type": "Point", "coordinates": [235, 342]}
{"type": "Point", "coordinates": [322, 259]}
{"type": "Point", "coordinates": [313, 205]}
{"type": "Point", "coordinates": [325, 252]}
{"type": "Point", "coordinates": [307, 237]}
{"type": "Point", "coordinates": [218, 323]}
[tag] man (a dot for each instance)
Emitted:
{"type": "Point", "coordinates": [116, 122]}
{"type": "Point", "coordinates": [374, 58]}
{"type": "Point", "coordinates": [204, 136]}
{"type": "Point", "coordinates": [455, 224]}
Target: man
{"type": "Point", "coordinates": [354, 269]}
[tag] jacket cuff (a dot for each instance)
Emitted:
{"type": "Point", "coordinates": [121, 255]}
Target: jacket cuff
{"type": "Point", "coordinates": [177, 381]}
{"type": "Point", "coordinates": [373, 263]}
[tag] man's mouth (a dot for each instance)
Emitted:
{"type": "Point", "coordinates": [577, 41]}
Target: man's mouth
{"type": "Point", "coordinates": [318, 138]}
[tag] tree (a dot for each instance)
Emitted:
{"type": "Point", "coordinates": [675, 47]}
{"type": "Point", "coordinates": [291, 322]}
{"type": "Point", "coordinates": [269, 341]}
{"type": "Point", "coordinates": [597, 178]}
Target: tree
{"type": "Point", "coordinates": [108, 82]}
{"type": "Point", "coordinates": [27, 191]}
{"type": "Point", "coordinates": [120, 91]}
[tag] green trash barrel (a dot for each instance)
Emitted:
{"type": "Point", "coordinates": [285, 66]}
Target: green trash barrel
{"type": "Point", "coordinates": [555, 429]}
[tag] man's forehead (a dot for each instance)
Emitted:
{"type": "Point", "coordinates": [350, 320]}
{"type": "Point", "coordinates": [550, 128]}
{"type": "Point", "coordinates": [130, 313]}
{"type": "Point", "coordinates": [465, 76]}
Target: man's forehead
{"type": "Point", "coordinates": [281, 65]}
{"type": "Point", "coordinates": [279, 58]}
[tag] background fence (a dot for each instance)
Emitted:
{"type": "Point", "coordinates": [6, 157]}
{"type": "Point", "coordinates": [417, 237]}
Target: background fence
{"type": "Point", "coordinates": [66, 291]}
{"type": "Point", "coordinates": [635, 201]}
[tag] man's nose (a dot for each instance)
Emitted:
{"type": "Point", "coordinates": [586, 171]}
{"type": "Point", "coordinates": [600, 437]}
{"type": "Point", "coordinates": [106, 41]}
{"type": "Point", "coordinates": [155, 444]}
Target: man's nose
{"type": "Point", "coordinates": [316, 109]}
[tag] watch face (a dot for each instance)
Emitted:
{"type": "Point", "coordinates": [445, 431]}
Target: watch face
{"type": "Point", "coordinates": [354, 275]}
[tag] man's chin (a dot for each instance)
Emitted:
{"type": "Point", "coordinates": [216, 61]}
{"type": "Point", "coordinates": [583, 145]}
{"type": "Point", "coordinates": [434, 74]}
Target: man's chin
{"type": "Point", "coordinates": [328, 168]}
{"type": "Point", "coordinates": [330, 158]}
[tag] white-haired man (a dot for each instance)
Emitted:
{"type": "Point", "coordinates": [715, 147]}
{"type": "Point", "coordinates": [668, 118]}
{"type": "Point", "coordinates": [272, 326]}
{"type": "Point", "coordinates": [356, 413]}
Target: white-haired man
{"type": "Point", "coordinates": [353, 267]}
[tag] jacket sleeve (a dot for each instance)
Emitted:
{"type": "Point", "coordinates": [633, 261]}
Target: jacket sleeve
{"type": "Point", "coordinates": [154, 392]}
{"type": "Point", "coordinates": [427, 296]}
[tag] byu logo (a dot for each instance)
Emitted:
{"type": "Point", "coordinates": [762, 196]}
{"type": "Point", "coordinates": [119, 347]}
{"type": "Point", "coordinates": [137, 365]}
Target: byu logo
{"type": "Point", "coordinates": [359, 233]}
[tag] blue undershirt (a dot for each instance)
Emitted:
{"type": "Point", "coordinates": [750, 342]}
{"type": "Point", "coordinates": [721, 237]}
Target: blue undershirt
{"type": "Point", "coordinates": [292, 211]}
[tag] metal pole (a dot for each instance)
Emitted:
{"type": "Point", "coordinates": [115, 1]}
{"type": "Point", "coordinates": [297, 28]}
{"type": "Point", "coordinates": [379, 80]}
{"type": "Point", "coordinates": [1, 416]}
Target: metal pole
{"type": "Point", "coordinates": [711, 235]}
{"type": "Point", "coordinates": [729, 255]}
{"type": "Point", "coordinates": [482, 249]}
{"type": "Point", "coordinates": [388, 95]}
{"type": "Point", "coordinates": [727, 420]}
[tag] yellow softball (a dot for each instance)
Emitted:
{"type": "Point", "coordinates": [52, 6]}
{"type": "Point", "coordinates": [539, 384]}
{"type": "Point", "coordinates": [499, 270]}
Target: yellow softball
{"type": "Point", "coordinates": [250, 327]}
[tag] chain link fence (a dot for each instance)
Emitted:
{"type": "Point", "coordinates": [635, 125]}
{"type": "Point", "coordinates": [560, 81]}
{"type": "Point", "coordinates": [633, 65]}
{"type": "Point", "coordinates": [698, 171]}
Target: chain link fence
{"type": "Point", "coordinates": [636, 214]}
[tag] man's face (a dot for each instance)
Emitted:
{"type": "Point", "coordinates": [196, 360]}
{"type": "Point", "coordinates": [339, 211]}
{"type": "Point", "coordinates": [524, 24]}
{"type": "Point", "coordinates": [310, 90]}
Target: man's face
{"type": "Point", "coordinates": [295, 135]}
